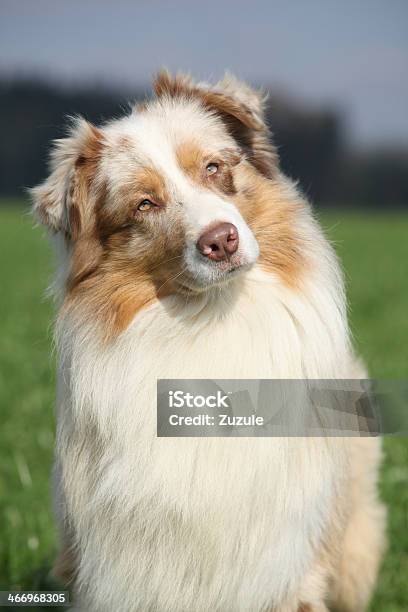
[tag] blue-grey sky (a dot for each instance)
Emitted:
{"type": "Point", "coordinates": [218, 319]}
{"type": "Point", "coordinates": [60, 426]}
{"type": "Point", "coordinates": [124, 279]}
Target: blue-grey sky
{"type": "Point", "coordinates": [352, 54]}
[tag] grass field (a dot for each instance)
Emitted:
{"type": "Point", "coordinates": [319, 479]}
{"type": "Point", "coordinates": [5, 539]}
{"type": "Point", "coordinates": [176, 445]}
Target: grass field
{"type": "Point", "coordinates": [374, 249]}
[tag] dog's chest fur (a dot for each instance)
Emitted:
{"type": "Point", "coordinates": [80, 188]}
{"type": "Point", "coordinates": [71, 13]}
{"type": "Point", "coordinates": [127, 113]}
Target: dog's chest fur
{"type": "Point", "coordinates": [251, 508]}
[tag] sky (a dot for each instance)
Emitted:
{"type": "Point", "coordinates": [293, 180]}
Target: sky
{"type": "Point", "coordinates": [353, 55]}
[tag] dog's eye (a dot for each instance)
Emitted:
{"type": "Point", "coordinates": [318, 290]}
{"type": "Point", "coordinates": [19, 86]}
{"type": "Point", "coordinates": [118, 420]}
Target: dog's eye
{"type": "Point", "coordinates": [145, 205]}
{"type": "Point", "coordinates": [212, 168]}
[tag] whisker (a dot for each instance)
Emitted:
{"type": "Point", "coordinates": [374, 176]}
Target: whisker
{"type": "Point", "coordinates": [163, 263]}
{"type": "Point", "coordinates": [172, 278]}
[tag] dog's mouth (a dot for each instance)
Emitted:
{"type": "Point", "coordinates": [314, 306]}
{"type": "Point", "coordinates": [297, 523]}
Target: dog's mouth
{"type": "Point", "coordinates": [208, 274]}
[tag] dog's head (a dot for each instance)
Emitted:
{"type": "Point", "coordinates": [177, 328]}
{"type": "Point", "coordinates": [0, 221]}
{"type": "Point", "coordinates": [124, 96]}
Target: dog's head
{"type": "Point", "coordinates": [171, 198]}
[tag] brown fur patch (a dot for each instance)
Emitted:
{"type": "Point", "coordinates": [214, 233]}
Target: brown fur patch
{"type": "Point", "coordinates": [86, 255]}
{"type": "Point", "coordinates": [117, 291]}
{"type": "Point", "coordinates": [74, 221]}
{"type": "Point", "coordinates": [113, 297]}
{"type": "Point", "coordinates": [271, 215]}
{"type": "Point", "coordinates": [193, 160]}
{"type": "Point", "coordinates": [151, 182]}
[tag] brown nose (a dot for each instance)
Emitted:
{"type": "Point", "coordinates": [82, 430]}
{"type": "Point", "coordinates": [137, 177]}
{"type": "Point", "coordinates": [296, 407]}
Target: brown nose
{"type": "Point", "coordinates": [220, 242]}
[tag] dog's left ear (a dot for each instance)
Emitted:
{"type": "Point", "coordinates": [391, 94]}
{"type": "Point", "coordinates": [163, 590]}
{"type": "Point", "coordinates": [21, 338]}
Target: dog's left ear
{"type": "Point", "coordinates": [62, 202]}
{"type": "Point", "coordinates": [239, 106]}
{"type": "Point", "coordinates": [65, 201]}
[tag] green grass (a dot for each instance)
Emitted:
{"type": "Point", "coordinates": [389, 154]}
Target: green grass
{"type": "Point", "coordinates": [26, 404]}
{"type": "Point", "coordinates": [374, 250]}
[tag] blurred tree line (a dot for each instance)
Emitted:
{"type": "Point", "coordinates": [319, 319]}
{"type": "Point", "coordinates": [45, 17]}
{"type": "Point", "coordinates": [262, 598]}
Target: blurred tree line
{"type": "Point", "coordinates": [310, 143]}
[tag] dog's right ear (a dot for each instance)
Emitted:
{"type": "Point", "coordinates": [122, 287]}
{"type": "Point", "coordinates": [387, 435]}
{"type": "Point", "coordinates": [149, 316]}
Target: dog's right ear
{"type": "Point", "coordinates": [61, 203]}
{"type": "Point", "coordinates": [239, 106]}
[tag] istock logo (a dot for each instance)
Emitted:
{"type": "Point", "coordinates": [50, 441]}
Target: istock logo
{"type": "Point", "coordinates": [179, 399]}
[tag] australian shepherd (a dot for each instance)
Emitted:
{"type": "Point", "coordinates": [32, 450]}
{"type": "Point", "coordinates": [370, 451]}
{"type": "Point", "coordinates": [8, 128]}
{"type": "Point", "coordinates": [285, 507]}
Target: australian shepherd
{"type": "Point", "coordinates": [184, 252]}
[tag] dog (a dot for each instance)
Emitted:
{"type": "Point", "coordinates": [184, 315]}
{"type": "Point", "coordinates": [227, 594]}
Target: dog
{"type": "Point", "coordinates": [184, 252]}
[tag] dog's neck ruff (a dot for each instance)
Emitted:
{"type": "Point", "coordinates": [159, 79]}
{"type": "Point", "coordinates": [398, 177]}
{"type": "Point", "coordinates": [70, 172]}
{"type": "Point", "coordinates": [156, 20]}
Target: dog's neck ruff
{"type": "Point", "coordinates": [251, 328]}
